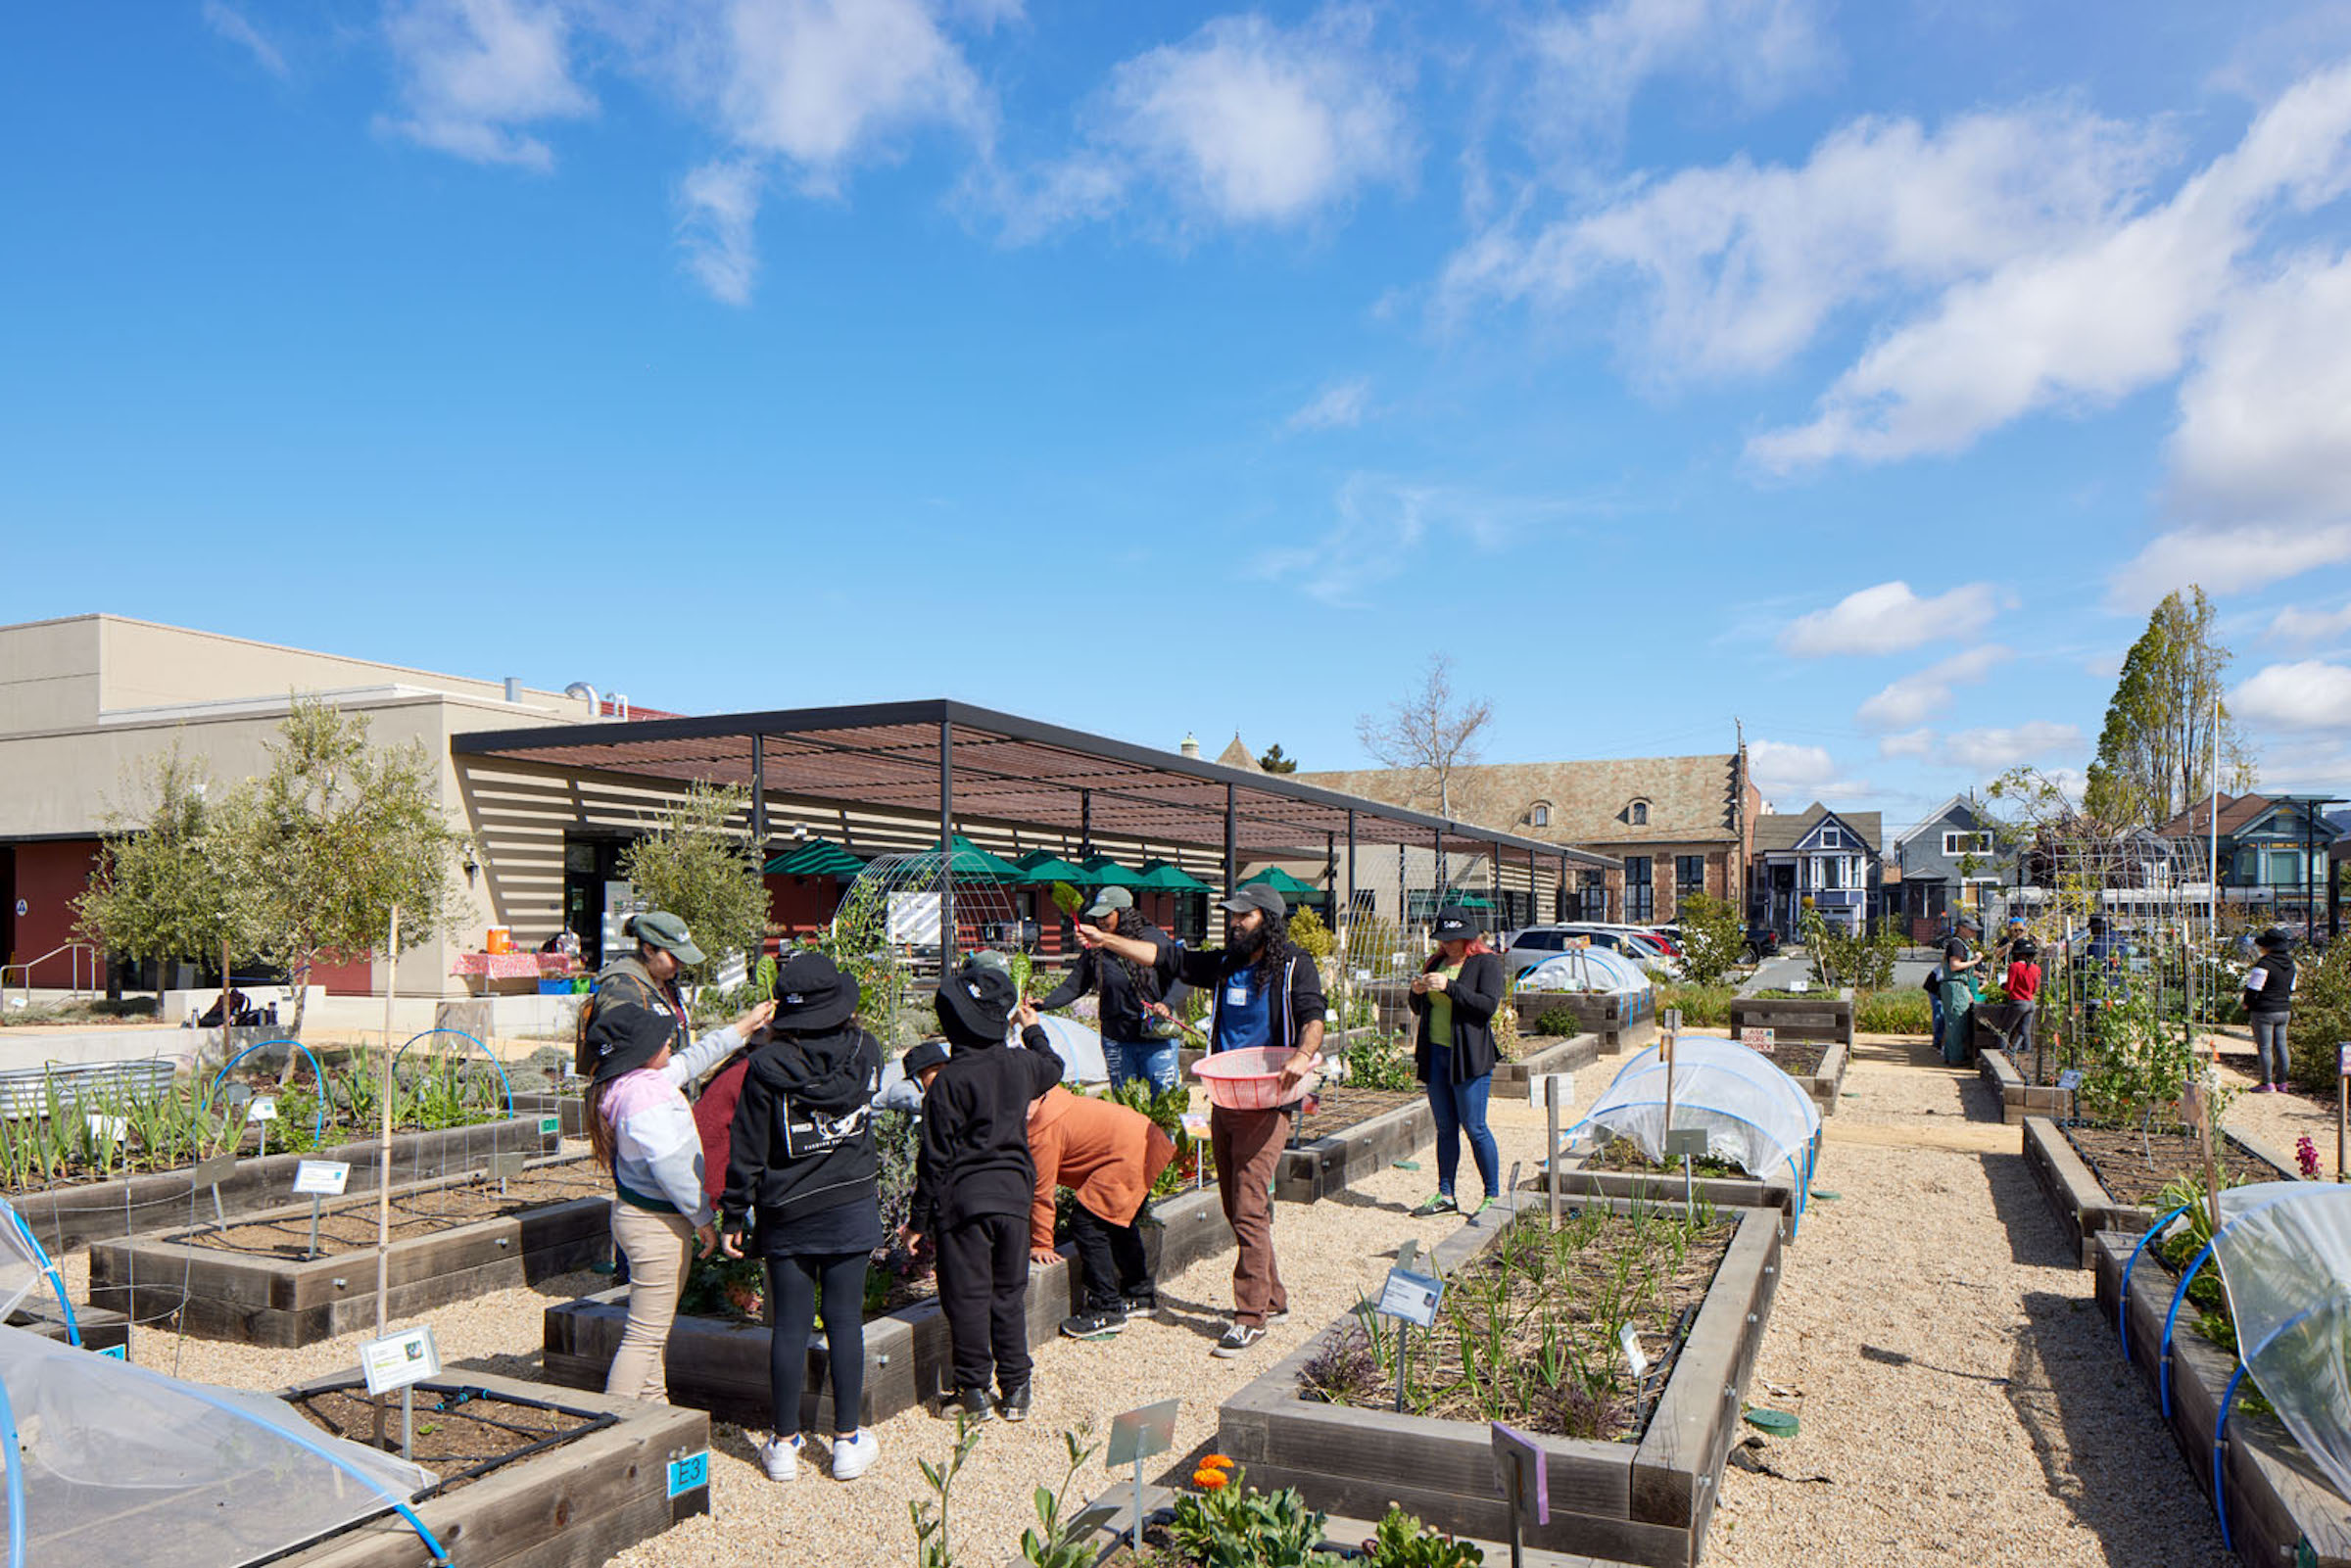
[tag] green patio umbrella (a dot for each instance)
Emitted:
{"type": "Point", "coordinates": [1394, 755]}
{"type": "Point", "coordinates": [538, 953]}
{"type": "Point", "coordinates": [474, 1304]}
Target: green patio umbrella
{"type": "Point", "coordinates": [1042, 865]}
{"type": "Point", "coordinates": [969, 862]}
{"type": "Point", "coordinates": [1166, 877]}
{"type": "Point", "coordinates": [1104, 872]}
{"type": "Point", "coordinates": [1282, 882]}
{"type": "Point", "coordinates": [818, 857]}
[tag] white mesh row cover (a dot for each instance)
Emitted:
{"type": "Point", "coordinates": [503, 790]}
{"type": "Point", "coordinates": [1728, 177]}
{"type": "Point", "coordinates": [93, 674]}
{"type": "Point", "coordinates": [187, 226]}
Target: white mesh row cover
{"type": "Point", "coordinates": [2284, 1251]}
{"type": "Point", "coordinates": [124, 1466]}
{"type": "Point", "coordinates": [22, 1268]}
{"type": "Point", "coordinates": [1079, 1047]}
{"type": "Point", "coordinates": [1754, 1116]}
{"type": "Point", "coordinates": [1586, 969]}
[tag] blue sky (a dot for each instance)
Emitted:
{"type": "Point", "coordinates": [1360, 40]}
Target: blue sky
{"type": "Point", "coordinates": [1863, 372]}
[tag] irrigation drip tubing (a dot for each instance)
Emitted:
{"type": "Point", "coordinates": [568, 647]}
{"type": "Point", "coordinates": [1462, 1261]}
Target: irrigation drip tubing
{"type": "Point", "coordinates": [465, 1395]}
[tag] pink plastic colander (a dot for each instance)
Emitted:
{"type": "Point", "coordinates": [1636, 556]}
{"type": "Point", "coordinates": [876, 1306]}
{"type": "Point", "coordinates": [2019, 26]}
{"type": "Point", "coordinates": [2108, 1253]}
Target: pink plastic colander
{"type": "Point", "coordinates": [1248, 1081]}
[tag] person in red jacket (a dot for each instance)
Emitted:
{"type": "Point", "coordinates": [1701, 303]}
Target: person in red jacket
{"type": "Point", "coordinates": [2023, 985]}
{"type": "Point", "coordinates": [1107, 1157]}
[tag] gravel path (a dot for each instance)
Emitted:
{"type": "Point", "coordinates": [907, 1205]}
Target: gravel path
{"type": "Point", "coordinates": [1958, 1392]}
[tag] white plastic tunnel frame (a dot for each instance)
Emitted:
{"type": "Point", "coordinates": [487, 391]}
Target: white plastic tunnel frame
{"type": "Point", "coordinates": [110, 1462]}
{"type": "Point", "coordinates": [2284, 1251]}
{"type": "Point", "coordinates": [1753, 1113]}
{"type": "Point", "coordinates": [1592, 969]}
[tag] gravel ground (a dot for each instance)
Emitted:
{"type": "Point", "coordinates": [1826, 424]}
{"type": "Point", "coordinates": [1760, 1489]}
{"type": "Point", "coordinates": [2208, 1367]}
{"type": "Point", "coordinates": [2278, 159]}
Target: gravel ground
{"type": "Point", "coordinates": [1959, 1394]}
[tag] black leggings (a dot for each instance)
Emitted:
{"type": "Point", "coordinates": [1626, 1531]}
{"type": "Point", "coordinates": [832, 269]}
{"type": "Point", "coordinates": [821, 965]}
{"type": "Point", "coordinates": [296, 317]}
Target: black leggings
{"type": "Point", "coordinates": [793, 1285]}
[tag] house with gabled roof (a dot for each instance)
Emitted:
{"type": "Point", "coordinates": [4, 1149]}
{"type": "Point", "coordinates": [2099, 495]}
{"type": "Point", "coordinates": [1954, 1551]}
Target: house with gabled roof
{"type": "Point", "coordinates": [1830, 857]}
{"type": "Point", "coordinates": [1948, 864]}
{"type": "Point", "coordinates": [2273, 850]}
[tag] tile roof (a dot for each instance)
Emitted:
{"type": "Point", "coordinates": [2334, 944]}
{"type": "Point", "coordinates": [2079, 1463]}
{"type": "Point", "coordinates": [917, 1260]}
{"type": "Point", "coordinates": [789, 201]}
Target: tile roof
{"type": "Point", "coordinates": [1688, 798]}
{"type": "Point", "coordinates": [2196, 819]}
{"type": "Point", "coordinates": [1782, 830]}
{"type": "Point", "coordinates": [1236, 755]}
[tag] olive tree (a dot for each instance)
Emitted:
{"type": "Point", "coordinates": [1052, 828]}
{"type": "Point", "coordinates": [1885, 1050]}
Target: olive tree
{"type": "Point", "coordinates": [700, 865]}
{"type": "Point", "coordinates": [164, 885]}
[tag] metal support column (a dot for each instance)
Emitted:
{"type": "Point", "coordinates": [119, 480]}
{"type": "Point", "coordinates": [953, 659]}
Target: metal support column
{"type": "Point", "coordinates": [758, 837]}
{"type": "Point", "coordinates": [1496, 880]}
{"type": "Point", "coordinates": [1438, 879]}
{"type": "Point", "coordinates": [946, 845]}
{"type": "Point", "coordinates": [1330, 875]}
{"type": "Point", "coordinates": [1086, 824]}
{"type": "Point", "coordinates": [1232, 845]}
{"type": "Point", "coordinates": [1347, 911]}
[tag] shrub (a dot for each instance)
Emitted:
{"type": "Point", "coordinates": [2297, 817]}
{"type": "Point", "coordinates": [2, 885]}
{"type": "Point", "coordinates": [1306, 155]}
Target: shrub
{"type": "Point", "coordinates": [1904, 1010]}
{"type": "Point", "coordinates": [1703, 1007]}
{"type": "Point", "coordinates": [1380, 1062]}
{"type": "Point", "coordinates": [2321, 1015]}
{"type": "Point", "coordinates": [1713, 938]}
{"type": "Point", "coordinates": [1311, 935]}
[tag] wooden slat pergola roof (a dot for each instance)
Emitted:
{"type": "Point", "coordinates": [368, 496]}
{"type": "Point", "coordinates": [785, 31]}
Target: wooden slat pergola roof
{"type": "Point", "coordinates": [907, 756]}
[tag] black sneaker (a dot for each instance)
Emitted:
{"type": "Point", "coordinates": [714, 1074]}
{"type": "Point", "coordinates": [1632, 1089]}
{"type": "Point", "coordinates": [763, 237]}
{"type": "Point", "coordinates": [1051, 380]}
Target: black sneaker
{"type": "Point", "coordinates": [1274, 1314]}
{"type": "Point", "coordinates": [1238, 1340]}
{"type": "Point", "coordinates": [1014, 1405]}
{"type": "Point", "coordinates": [1095, 1325]}
{"type": "Point", "coordinates": [976, 1404]}
{"type": "Point", "coordinates": [1145, 1304]}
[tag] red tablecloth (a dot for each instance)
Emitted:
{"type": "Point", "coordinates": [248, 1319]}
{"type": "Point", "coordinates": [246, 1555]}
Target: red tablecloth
{"type": "Point", "coordinates": [516, 966]}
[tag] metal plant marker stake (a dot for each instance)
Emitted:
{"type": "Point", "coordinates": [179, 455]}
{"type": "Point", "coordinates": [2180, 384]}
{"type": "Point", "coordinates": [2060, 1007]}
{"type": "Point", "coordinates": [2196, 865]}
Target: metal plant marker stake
{"type": "Point", "coordinates": [1135, 1435]}
{"type": "Point", "coordinates": [1550, 1146]}
{"type": "Point", "coordinates": [383, 1185]}
{"type": "Point", "coordinates": [2342, 1101]}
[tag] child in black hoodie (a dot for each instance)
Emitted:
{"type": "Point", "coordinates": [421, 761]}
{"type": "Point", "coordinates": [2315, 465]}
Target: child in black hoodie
{"type": "Point", "coordinates": [975, 1180]}
{"type": "Point", "coordinates": [801, 1160]}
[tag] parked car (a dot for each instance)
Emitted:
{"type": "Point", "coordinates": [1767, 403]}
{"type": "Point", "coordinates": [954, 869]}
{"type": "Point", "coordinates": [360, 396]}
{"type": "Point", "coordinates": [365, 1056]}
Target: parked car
{"type": "Point", "coordinates": [1538, 942]}
{"type": "Point", "coordinates": [1761, 942]}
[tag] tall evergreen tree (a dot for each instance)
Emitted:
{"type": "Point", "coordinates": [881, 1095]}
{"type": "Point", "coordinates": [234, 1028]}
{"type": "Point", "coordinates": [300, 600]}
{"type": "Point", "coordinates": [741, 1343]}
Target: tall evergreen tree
{"type": "Point", "coordinates": [2155, 753]}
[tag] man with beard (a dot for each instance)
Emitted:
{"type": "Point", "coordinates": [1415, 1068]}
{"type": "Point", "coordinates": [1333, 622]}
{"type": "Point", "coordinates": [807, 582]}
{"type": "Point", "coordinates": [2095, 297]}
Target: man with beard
{"type": "Point", "coordinates": [1129, 990]}
{"type": "Point", "coordinates": [1265, 992]}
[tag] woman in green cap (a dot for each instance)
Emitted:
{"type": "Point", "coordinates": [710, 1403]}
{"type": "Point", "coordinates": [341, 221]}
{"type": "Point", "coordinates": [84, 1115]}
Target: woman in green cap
{"type": "Point", "coordinates": [646, 977]}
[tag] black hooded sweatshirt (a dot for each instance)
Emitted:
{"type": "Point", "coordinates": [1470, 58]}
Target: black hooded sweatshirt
{"type": "Point", "coordinates": [2274, 997]}
{"type": "Point", "coordinates": [1126, 987]}
{"type": "Point", "coordinates": [803, 1138]}
{"type": "Point", "coordinates": [975, 1156]}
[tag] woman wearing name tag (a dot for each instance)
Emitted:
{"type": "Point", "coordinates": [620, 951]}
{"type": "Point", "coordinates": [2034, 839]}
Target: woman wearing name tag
{"type": "Point", "coordinates": [2269, 1004]}
{"type": "Point", "coordinates": [1453, 996]}
{"type": "Point", "coordinates": [643, 1132]}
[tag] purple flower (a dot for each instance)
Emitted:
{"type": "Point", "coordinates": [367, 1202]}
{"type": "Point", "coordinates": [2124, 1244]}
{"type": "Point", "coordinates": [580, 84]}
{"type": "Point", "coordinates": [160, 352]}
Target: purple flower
{"type": "Point", "coordinates": [2306, 1154]}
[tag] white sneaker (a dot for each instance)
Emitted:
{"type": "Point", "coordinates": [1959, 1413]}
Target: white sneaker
{"type": "Point", "coordinates": [854, 1456]}
{"type": "Point", "coordinates": [780, 1457]}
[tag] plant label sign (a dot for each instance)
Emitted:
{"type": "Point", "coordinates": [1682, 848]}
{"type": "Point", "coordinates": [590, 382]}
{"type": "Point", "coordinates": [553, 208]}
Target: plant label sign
{"type": "Point", "coordinates": [111, 1128]}
{"type": "Point", "coordinates": [214, 1171]}
{"type": "Point", "coordinates": [1763, 1040]}
{"type": "Point", "coordinates": [508, 1165]}
{"type": "Point", "coordinates": [1141, 1433]}
{"type": "Point", "coordinates": [1634, 1358]}
{"type": "Point", "coordinates": [1411, 1297]}
{"type": "Point", "coordinates": [549, 1126]}
{"type": "Point", "coordinates": [397, 1360]}
{"type": "Point", "coordinates": [1686, 1143]}
{"type": "Point", "coordinates": [2070, 1078]}
{"type": "Point", "coordinates": [689, 1473]}
{"type": "Point", "coordinates": [321, 1178]}
{"type": "Point", "coordinates": [261, 1107]}
{"type": "Point", "coordinates": [1800, 987]}
{"type": "Point", "coordinates": [1524, 1477]}
{"type": "Point", "coordinates": [1537, 1089]}
{"type": "Point", "coordinates": [1670, 1021]}
{"type": "Point", "coordinates": [120, 1352]}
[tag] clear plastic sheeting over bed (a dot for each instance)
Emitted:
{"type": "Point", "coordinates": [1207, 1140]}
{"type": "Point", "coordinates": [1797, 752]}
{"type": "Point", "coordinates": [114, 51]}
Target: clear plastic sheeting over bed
{"type": "Point", "coordinates": [1080, 1048]}
{"type": "Point", "coordinates": [2284, 1249]}
{"type": "Point", "coordinates": [1753, 1114]}
{"type": "Point", "coordinates": [1586, 969]}
{"type": "Point", "coordinates": [24, 1267]}
{"type": "Point", "coordinates": [121, 1466]}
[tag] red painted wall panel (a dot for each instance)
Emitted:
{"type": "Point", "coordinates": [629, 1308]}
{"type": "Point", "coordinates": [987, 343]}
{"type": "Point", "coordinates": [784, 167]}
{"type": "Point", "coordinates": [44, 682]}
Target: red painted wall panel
{"type": "Point", "coordinates": [49, 878]}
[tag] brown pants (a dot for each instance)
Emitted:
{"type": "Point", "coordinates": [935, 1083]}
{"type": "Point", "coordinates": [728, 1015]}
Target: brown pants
{"type": "Point", "coordinates": [1247, 1146]}
{"type": "Point", "coordinates": [657, 1247]}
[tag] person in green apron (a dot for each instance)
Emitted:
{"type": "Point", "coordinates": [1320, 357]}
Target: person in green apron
{"type": "Point", "coordinates": [1960, 961]}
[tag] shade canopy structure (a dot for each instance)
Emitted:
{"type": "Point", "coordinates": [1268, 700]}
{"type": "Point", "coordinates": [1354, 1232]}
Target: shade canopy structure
{"type": "Point", "coordinates": [1041, 865]}
{"type": "Point", "coordinates": [1104, 872]}
{"type": "Point", "coordinates": [1282, 882]}
{"type": "Point", "coordinates": [909, 756]}
{"type": "Point", "coordinates": [1166, 877]}
{"type": "Point", "coordinates": [818, 857]}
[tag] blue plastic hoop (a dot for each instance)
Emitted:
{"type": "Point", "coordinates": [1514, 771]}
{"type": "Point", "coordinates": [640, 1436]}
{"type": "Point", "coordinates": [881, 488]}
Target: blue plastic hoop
{"type": "Point", "coordinates": [2121, 1310]}
{"type": "Point", "coordinates": [41, 1254]}
{"type": "Point", "coordinates": [507, 1082]}
{"type": "Point", "coordinates": [318, 1124]}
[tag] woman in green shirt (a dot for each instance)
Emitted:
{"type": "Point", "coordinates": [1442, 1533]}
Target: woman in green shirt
{"type": "Point", "coordinates": [1455, 996]}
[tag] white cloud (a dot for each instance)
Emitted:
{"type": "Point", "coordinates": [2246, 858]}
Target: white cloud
{"type": "Point", "coordinates": [1339, 405]}
{"type": "Point", "coordinates": [2225, 560]}
{"type": "Point", "coordinates": [1997, 749]}
{"type": "Point", "coordinates": [475, 70]}
{"type": "Point", "coordinates": [2311, 694]}
{"type": "Point", "coordinates": [1382, 523]}
{"type": "Point", "coordinates": [1249, 122]}
{"type": "Point", "coordinates": [1917, 697]}
{"type": "Point", "coordinates": [1918, 743]}
{"type": "Point", "coordinates": [234, 26]}
{"type": "Point", "coordinates": [717, 205]}
{"type": "Point", "coordinates": [1888, 618]}
{"type": "Point", "coordinates": [2079, 324]}
{"type": "Point", "coordinates": [1593, 64]}
{"type": "Point", "coordinates": [2296, 624]}
{"type": "Point", "coordinates": [1739, 267]}
{"type": "Point", "coordinates": [2264, 420]}
{"type": "Point", "coordinates": [1792, 775]}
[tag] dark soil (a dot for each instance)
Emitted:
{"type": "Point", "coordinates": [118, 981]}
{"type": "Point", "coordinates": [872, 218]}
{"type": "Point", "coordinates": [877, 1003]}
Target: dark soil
{"type": "Point", "coordinates": [458, 1429]}
{"type": "Point", "coordinates": [1798, 1059]}
{"type": "Point", "coordinates": [1341, 1106]}
{"type": "Point", "coordinates": [349, 1224]}
{"type": "Point", "coordinates": [1622, 1153]}
{"type": "Point", "coordinates": [2120, 1157]}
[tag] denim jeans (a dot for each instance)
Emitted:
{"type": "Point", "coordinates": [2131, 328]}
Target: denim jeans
{"type": "Point", "coordinates": [1462, 1107]}
{"type": "Point", "coordinates": [1154, 1059]}
{"type": "Point", "coordinates": [2269, 1045]}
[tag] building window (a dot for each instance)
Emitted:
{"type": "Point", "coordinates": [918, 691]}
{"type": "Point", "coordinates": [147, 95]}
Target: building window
{"type": "Point", "coordinates": [1640, 893]}
{"type": "Point", "coordinates": [2285, 868]}
{"type": "Point", "coordinates": [1831, 839]}
{"type": "Point", "coordinates": [1955, 844]}
{"type": "Point", "coordinates": [1690, 874]}
{"type": "Point", "coordinates": [1638, 816]}
{"type": "Point", "coordinates": [1542, 816]}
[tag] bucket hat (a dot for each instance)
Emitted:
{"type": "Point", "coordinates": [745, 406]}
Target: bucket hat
{"type": "Point", "coordinates": [812, 995]}
{"type": "Point", "coordinates": [1454, 924]}
{"type": "Point", "coordinates": [627, 1036]}
{"type": "Point", "coordinates": [978, 999]}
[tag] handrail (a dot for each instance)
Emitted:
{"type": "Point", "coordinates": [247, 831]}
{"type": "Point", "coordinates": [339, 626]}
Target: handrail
{"type": "Point", "coordinates": [77, 988]}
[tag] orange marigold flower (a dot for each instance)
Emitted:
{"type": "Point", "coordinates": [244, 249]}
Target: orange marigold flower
{"type": "Point", "coordinates": [1216, 1462]}
{"type": "Point", "coordinates": [1208, 1479]}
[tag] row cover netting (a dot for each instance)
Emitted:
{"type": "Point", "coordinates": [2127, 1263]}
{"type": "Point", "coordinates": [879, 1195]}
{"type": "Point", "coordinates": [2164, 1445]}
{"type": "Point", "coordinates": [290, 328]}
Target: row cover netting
{"type": "Point", "coordinates": [1753, 1114]}
{"type": "Point", "coordinates": [2284, 1249]}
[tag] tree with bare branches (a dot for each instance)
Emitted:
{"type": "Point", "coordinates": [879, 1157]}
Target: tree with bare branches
{"type": "Point", "coordinates": [1428, 732]}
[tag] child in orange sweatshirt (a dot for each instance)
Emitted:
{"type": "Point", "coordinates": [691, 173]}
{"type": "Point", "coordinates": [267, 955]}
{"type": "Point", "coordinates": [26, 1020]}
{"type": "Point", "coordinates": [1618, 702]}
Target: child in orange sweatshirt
{"type": "Point", "coordinates": [1107, 1157]}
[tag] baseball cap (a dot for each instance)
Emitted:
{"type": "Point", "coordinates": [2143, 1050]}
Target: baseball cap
{"type": "Point", "coordinates": [1106, 901]}
{"type": "Point", "coordinates": [1257, 895]}
{"type": "Point", "coordinates": [658, 927]}
{"type": "Point", "coordinates": [1454, 924]}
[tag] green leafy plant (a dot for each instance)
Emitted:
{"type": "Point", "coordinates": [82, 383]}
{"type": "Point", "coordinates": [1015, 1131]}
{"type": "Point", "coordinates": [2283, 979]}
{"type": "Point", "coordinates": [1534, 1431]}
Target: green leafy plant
{"type": "Point", "coordinates": [1713, 938]}
{"type": "Point", "coordinates": [1311, 935]}
{"type": "Point", "coordinates": [1402, 1540]}
{"type": "Point", "coordinates": [1703, 1007]}
{"type": "Point", "coordinates": [934, 1548]}
{"type": "Point", "coordinates": [1228, 1526]}
{"type": "Point", "coordinates": [1055, 1541]}
{"type": "Point", "coordinates": [1380, 1062]}
{"type": "Point", "coordinates": [700, 865]}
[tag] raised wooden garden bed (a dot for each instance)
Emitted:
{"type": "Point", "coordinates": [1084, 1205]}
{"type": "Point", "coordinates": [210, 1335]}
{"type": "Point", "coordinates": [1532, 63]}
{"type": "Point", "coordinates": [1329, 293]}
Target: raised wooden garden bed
{"type": "Point", "coordinates": [2277, 1498]}
{"type": "Point", "coordinates": [1822, 1079]}
{"type": "Point", "coordinates": [1320, 1163]}
{"type": "Point", "coordinates": [252, 1282]}
{"type": "Point", "coordinates": [1582, 1177]}
{"type": "Point", "coordinates": [1621, 1022]}
{"type": "Point", "coordinates": [1539, 1055]}
{"type": "Point", "coordinates": [68, 1217]}
{"type": "Point", "coordinates": [571, 1110]}
{"type": "Point", "coordinates": [720, 1365]}
{"type": "Point", "coordinates": [2082, 1202]}
{"type": "Point", "coordinates": [101, 1329]}
{"type": "Point", "coordinates": [1826, 1018]}
{"type": "Point", "coordinates": [1646, 1501]}
{"type": "Point", "coordinates": [2017, 1098]}
{"type": "Point", "coordinates": [612, 1473]}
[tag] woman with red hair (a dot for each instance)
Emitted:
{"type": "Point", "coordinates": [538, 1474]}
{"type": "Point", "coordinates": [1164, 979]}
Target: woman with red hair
{"type": "Point", "coordinates": [1453, 996]}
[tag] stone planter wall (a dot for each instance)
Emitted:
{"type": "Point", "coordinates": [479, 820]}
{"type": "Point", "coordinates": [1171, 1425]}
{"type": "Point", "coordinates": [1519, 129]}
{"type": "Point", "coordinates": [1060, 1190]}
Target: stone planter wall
{"type": "Point", "coordinates": [1647, 1502]}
